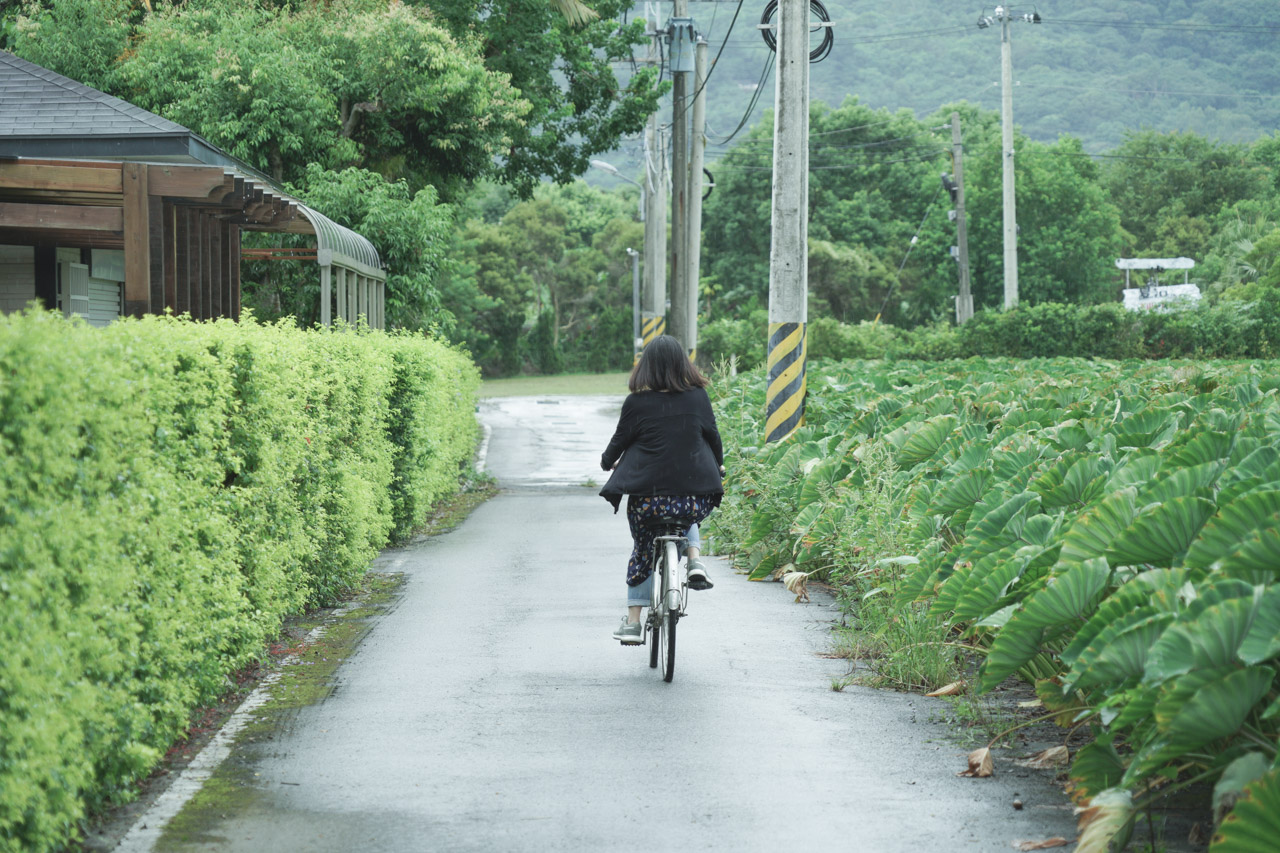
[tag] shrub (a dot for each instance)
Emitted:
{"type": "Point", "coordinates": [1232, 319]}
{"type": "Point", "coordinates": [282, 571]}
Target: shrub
{"type": "Point", "coordinates": [171, 492]}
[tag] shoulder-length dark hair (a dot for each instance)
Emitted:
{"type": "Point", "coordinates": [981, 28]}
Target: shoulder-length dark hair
{"type": "Point", "coordinates": [664, 366]}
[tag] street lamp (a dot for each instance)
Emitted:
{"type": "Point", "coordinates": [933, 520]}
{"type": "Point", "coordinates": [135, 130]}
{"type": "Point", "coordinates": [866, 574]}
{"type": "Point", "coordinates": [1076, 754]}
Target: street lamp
{"type": "Point", "coordinates": [613, 170]}
{"type": "Point", "coordinates": [1004, 15]}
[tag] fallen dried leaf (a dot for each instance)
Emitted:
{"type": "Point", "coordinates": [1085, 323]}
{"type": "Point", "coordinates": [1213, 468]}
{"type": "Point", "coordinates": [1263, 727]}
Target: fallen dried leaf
{"type": "Point", "coordinates": [1033, 703]}
{"type": "Point", "coordinates": [798, 583]}
{"type": "Point", "coordinates": [1101, 819]}
{"type": "Point", "coordinates": [1040, 845]}
{"type": "Point", "coordinates": [955, 688]}
{"type": "Point", "coordinates": [1054, 756]}
{"type": "Point", "coordinates": [980, 764]}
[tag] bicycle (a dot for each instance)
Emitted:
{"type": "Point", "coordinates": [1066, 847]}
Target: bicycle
{"type": "Point", "coordinates": [670, 592]}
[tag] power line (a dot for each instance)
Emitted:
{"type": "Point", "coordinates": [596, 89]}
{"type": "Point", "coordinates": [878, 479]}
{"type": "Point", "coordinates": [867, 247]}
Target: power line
{"type": "Point", "coordinates": [1149, 91]}
{"type": "Point", "coordinates": [1263, 29]}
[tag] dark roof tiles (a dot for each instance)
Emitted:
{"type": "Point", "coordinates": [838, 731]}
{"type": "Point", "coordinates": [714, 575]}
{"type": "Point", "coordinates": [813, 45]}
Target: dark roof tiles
{"type": "Point", "coordinates": [36, 102]}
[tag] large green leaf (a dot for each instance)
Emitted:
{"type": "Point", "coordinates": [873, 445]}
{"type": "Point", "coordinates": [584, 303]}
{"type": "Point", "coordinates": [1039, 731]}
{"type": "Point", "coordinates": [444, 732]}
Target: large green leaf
{"type": "Point", "coordinates": [1182, 482]}
{"type": "Point", "coordinates": [1136, 469]}
{"type": "Point", "coordinates": [1257, 560]}
{"type": "Point", "coordinates": [1224, 534]}
{"type": "Point", "coordinates": [1254, 824]}
{"type": "Point", "coordinates": [987, 583]}
{"type": "Point", "coordinates": [959, 492]}
{"type": "Point", "coordinates": [1065, 597]}
{"type": "Point", "coordinates": [925, 441]}
{"type": "Point", "coordinates": [1097, 767]}
{"type": "Point", "coordinates": [1119, 653]}
{"type": "Point", "coordinates": [1211, 638]}
{"type": "Point", "coordinates": [1149, 592]}
{"type": "Point", "coordinates": [1095, 529]}
{"type": "Point", "coordinates": [1160, 535]}
{"type": "Point", "coordinates": [1149, 428]}
{"type": "Point", "coordinates": [1204, 447]}
{"type": "Point", "coordinates": [1070, 481]}
{"type": "Point", "coordinates": [998, 527]}
{"type": "Point", "coordinates": [1239, 773]}
{"type": "Point", "coordinates": [1263, 640]}
{"type": "Point", "coordinates": [1209, 704]}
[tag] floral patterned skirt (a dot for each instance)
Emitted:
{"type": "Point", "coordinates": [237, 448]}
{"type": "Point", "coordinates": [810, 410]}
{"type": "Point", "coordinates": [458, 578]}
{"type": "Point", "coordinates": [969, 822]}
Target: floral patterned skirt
{"type": "Point", "coordinates": [644, 507]}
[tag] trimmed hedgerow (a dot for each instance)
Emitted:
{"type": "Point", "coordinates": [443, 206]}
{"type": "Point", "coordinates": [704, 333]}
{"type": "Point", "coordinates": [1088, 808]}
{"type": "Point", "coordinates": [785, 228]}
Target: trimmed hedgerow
{"type": "Point", "coordinates": [169, 493]}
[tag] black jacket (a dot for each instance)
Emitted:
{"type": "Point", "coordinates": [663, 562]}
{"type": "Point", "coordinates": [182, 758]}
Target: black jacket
{"type": "Point", "coordinates": [668, 444]}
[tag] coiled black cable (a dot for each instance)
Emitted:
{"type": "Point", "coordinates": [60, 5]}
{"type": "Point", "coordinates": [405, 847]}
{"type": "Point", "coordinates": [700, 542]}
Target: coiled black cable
{"type": "Point", "coordinates": [816, 8]}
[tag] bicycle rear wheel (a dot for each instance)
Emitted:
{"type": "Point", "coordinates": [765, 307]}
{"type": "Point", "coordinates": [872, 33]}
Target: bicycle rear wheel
{"type": "Point", "coordinates": [667, 652]}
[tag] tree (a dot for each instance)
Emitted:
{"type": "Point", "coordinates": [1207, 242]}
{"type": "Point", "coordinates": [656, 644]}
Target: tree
{"type": "Point", "coordinates": [411, 232]}
{"type": "Point", "coordinates": [1068, 232]}
{"type": "Point", "coordinates": [1168, 186]}
{"type": "Point", "coordinates": [564, 70]}
{"type": "Point", "coordinates": [355, 83]}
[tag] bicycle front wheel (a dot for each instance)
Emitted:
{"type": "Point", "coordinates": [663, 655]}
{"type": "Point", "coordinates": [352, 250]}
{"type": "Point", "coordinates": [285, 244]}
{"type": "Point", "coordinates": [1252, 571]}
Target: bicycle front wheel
{"type": "Point", "coordinates": [667, 652]}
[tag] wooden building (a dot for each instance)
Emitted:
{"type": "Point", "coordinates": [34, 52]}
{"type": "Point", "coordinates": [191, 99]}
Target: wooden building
{"type": "Point", "coordinates": [108, 210]}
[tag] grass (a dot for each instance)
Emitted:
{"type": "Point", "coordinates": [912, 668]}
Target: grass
{"type": "Point", "coordinates": [558, 386]}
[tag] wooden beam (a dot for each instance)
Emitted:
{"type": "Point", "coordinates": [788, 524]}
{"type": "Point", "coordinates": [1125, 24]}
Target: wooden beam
{"type": "Point", "coordinates": [215, 268]}
{"type": "Point", "coordinates": [20, 175]}
{"type": "Point", "coordinates": [67, 217]}
{"type": "Point", "coordinates": [234, 234]}
{"type": "Point", "coordinates": [137, 241]}
{"type": "Point", "coordinates": [191, 182]}
{"type": "Point", "coordinates": [182, 259]}
{"type": "Point", "coordinates": [155, 236]}
{"type": "Point", "coordinates": [206, 267]}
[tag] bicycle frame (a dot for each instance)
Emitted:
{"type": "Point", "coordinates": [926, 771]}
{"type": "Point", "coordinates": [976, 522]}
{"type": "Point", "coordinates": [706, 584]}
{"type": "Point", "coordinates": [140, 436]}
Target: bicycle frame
{"type": "Point", "coordinates": [671, 582]}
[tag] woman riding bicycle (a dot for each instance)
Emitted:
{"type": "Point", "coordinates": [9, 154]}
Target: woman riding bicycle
{"type": "Point", "coordinates": [666, 456]}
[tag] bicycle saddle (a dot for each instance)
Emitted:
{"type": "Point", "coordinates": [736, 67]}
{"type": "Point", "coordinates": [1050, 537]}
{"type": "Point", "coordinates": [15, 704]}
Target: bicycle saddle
{"type": "Point", "coordinates": [668, 526]}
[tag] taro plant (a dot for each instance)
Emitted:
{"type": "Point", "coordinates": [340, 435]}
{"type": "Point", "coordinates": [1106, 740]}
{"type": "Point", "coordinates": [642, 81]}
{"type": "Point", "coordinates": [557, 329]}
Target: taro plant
{"type": "Point", "coordinates": [1108, 532]}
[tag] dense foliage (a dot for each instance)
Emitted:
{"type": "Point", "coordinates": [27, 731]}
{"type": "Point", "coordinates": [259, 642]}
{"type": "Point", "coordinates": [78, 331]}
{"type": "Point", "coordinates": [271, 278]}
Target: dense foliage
{"type": "Point", "coordinates": [880, 240]}
{"type": "Point", "coordinates": [546, 285]}
{"type": "Point", "coordinates": [1107, 531]}
{"type": "Point", "coordinates": [166, 509]}
{"type": "Point", "coordinates": [1227, 328]}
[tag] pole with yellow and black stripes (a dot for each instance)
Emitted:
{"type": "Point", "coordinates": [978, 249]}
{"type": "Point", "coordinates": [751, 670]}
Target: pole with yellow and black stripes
{"type": "Point", "coordinates": [788, 254]}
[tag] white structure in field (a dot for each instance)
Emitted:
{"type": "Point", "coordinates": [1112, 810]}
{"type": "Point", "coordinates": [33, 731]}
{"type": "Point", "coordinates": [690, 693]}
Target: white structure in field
{"type": "Point", "coordinates": [1153, 294]}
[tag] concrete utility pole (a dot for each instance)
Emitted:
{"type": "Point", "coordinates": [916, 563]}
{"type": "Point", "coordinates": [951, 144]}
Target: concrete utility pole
{"type": "Point", "coordinates": [654, 299]}
{"type": "Point", "coordinates": [654, 302]}
{"type": "Point", "coordinates": [1004, 15]}
{"type": "Point", "coordinates": [681, 65]}
{"type": "Point", "coordinates": [635, 303]}
{"type": "Point", "coordinates": [964, 304]}
{"type": "Point", "coordinates": [698, 144]}
{"type": "Point", "coordinates": [788, 253]}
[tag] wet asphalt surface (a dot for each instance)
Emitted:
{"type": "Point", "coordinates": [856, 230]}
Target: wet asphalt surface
{"type": "Point", "coordinates": [490, 710]}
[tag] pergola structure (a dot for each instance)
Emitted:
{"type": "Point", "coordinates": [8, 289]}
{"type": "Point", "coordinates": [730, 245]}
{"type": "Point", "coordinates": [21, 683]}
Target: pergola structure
{"type": "Point", "coordinates": [87, 179]}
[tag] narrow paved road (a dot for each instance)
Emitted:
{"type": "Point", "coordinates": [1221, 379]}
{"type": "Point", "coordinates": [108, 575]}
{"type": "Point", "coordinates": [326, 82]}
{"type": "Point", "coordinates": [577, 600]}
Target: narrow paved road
{"type": "Point", "coordinates": [490, 710]}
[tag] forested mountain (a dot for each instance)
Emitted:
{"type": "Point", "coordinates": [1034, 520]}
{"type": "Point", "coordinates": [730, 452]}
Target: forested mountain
{"type": "Point", "coordinates": [1089, 69]}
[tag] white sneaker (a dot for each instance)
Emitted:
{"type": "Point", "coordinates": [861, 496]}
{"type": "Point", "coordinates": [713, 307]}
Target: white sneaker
{"type": "Point", "coordinates": [698, 578]}
{"type": "Point", "coordinates": [629, 633]}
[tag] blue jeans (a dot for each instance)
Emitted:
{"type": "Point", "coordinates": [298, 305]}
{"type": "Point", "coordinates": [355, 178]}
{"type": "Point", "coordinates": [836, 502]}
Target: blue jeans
{"type": "Point", "coordinates": [639, 596]}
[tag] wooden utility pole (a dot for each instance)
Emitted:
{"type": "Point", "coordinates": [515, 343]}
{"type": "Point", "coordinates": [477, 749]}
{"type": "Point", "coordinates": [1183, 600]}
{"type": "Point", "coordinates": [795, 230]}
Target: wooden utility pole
{"type": "Point", "coordinates": [788, 254]}
{"type": "Point", "coordinates": [681, 58]}
{"type": "Point", "coordinates": [697, 144]}
{"type": "Point", "coordinates": [964, 304]}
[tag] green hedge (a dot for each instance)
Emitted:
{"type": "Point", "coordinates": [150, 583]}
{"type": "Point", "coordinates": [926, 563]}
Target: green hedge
{"type": "Point", "coordinates": [1225, 329]}
{"type": "Point", "coordinates": [170, 492]}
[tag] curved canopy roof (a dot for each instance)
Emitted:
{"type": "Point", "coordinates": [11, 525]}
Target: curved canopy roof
{"type": "Point", "coordinates": [338, 244]}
